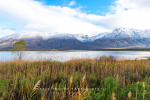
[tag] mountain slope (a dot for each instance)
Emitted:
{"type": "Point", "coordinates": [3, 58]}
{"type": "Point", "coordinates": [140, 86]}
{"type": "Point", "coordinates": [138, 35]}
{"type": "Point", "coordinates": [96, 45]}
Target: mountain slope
{"type": "Point", "coordinates": [85, 38]}
{"type": "Point", "coordinates": [121, 33]}
{"type": "Point", "coordinates": [119, 38]}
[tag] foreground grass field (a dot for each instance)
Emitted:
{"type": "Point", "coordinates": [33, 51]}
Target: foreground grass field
{"type": "Point", "coordinates": [103, 78]}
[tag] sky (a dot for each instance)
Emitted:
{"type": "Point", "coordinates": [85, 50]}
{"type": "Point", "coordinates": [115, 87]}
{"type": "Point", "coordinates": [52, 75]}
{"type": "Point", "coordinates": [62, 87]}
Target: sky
{"type": "Point", "coordinates": [72, 16]}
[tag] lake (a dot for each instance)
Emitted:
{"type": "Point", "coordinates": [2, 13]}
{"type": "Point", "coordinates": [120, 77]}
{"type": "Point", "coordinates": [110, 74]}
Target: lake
{"type": "Point", "coordinates": [67, 55]}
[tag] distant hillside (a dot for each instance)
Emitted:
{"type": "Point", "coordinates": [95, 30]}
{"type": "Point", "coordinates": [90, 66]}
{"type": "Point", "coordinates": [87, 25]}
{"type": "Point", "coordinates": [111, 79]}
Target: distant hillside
{"type": "Point", "coordinates": [119, 38]}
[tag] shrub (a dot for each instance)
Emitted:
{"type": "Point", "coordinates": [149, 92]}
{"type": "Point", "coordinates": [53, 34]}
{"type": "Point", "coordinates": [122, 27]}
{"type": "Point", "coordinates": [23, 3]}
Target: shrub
{"type": "Point", "coordinates": [136, 89]}
{"type": "Point", "coordinates": [109, 86]}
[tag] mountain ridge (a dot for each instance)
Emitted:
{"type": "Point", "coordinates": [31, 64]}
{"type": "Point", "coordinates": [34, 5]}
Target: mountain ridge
{"type": "Point", "coordinates": [120, 37]}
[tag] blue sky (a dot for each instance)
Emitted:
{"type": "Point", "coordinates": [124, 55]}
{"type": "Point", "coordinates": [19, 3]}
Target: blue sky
{"type": "Point", "coordinates": [72, 16]}
{"type": "Point", "coordinates": [99, 7]}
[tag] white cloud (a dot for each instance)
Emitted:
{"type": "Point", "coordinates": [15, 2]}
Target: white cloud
{"type": "Point", "coordinates": [125, 13]}
{"type": "Point", "coordinates": [6, 32]}
{"type": "Point", "coordinates": [72, 3]}
{"type": "Point", "coordinates": [37, 17]}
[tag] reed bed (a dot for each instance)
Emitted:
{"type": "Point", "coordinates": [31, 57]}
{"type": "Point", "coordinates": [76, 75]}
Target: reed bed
{"type": "Point", "coordinates": [103, 78]}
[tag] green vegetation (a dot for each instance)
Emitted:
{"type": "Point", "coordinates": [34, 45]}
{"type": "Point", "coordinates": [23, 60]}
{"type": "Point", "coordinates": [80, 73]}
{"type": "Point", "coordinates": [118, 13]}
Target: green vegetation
{"type": "Point", "coordinates": [19, 47]}
{"type": "Point", "coordinates": [104, 78]}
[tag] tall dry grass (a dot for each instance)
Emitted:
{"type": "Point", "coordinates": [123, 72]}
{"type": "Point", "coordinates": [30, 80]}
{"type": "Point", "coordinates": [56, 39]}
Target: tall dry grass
{"type": "Point", "coordinates": [69, 80]}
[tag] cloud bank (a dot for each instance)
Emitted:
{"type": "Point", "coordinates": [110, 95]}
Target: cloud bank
{"type": "Point", "coordinates": [6, 32]}
{"type": "Point", "coordinates": [125, 13]}
{"type": "Point", "coordinates": [35, 16]}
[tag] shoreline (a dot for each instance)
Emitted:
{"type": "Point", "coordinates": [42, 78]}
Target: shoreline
{"type": "Point", "coordinates": [86, 49]}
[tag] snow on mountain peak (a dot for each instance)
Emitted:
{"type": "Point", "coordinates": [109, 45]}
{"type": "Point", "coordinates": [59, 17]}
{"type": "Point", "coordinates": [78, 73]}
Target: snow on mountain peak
{"type": "Point", "coordinates": [120, 33]}
{"type": "Point", "coordinates": [87, 38]}
{"type": "Point", "coordinates": [44, 36]}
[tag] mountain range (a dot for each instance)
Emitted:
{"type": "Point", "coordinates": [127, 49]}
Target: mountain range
{"type": "Point", "coordinates": [118, 38]}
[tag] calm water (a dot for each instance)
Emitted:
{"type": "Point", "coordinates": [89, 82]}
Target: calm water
{"type": "Point", "coordinates": [66, 55]}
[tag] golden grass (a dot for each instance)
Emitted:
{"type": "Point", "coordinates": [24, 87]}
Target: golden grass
{"type": "Point", "coordinates": [129, 95]}
{"type": "Point", "coordinates": [113, 96]}
{"type": "Point", "coordinates": [27, 75]}
{"type": "Point", "coordinates": [37, 85]}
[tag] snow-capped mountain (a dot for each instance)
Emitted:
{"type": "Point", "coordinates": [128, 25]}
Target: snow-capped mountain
{"type": "Point", "coordinates": [121, 33]}
{"type": "Point", "coordinates": [121, 37]}
{"type": "Point", "coordinates": [85, 38]}
{"type": "Point", "coordinates": [44, 36]}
